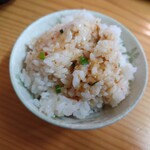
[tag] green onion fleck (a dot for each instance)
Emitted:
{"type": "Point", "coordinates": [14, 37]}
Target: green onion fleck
{"type": "Point", "coordinates": [42, 55]}
{"type": "Point", "coordinates": [58, 89]}
{"type": "Point", "coordinates": [83, 60]}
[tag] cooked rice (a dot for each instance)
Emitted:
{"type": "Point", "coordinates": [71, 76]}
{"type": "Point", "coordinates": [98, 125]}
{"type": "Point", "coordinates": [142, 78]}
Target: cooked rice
{"type": "Point", "coordinates": [104, 80]}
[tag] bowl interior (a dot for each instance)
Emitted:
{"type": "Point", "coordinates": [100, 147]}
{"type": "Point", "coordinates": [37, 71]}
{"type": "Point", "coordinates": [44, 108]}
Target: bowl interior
{"type": "Point", "coordinates": [106, 115]}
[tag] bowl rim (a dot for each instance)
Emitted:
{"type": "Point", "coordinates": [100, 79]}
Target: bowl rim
{"type": "Point", "coordinates": [73, 126]}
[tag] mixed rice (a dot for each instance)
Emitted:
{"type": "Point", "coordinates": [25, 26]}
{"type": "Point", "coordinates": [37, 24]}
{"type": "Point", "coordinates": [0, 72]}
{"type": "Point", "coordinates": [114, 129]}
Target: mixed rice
{"type": "Point", "coordinates": [78, 66]}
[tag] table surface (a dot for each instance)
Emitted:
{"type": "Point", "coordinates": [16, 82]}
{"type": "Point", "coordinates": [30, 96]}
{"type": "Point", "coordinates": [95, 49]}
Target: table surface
{"type": "Point", "coordinates": [21, 130]}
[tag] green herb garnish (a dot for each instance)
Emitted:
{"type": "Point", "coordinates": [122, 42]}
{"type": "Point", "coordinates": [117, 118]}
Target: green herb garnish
{"type": "Point", "coordinates": [83, 60]}
{"type": "Point", "coordinates": [42, 55]}
{"type": "Point", "coordinates": [58, 89]}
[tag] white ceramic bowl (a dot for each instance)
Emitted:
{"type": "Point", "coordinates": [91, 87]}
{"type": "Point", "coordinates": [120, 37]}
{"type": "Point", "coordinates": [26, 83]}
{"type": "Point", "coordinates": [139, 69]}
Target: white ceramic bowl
{"type": "Point", "coordinates": [107, 115]}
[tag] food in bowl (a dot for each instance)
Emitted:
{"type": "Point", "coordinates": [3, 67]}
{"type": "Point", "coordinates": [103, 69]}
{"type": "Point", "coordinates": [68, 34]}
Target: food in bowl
{"type": "Point", "coordinates": [77, 67]}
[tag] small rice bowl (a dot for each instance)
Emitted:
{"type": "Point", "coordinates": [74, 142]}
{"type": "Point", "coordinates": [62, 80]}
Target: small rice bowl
{"type": "Point", "coordinates": [77, 67]}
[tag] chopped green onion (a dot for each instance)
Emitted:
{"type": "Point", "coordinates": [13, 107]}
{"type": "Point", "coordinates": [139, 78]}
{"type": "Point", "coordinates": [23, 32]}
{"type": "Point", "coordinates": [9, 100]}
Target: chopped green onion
{"type": "Point", "coordinates": [83, 60]}
{"type": "Point", "coordinates": [58, 89]}
{"type": "Point", "coordinates": [42, 55]}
